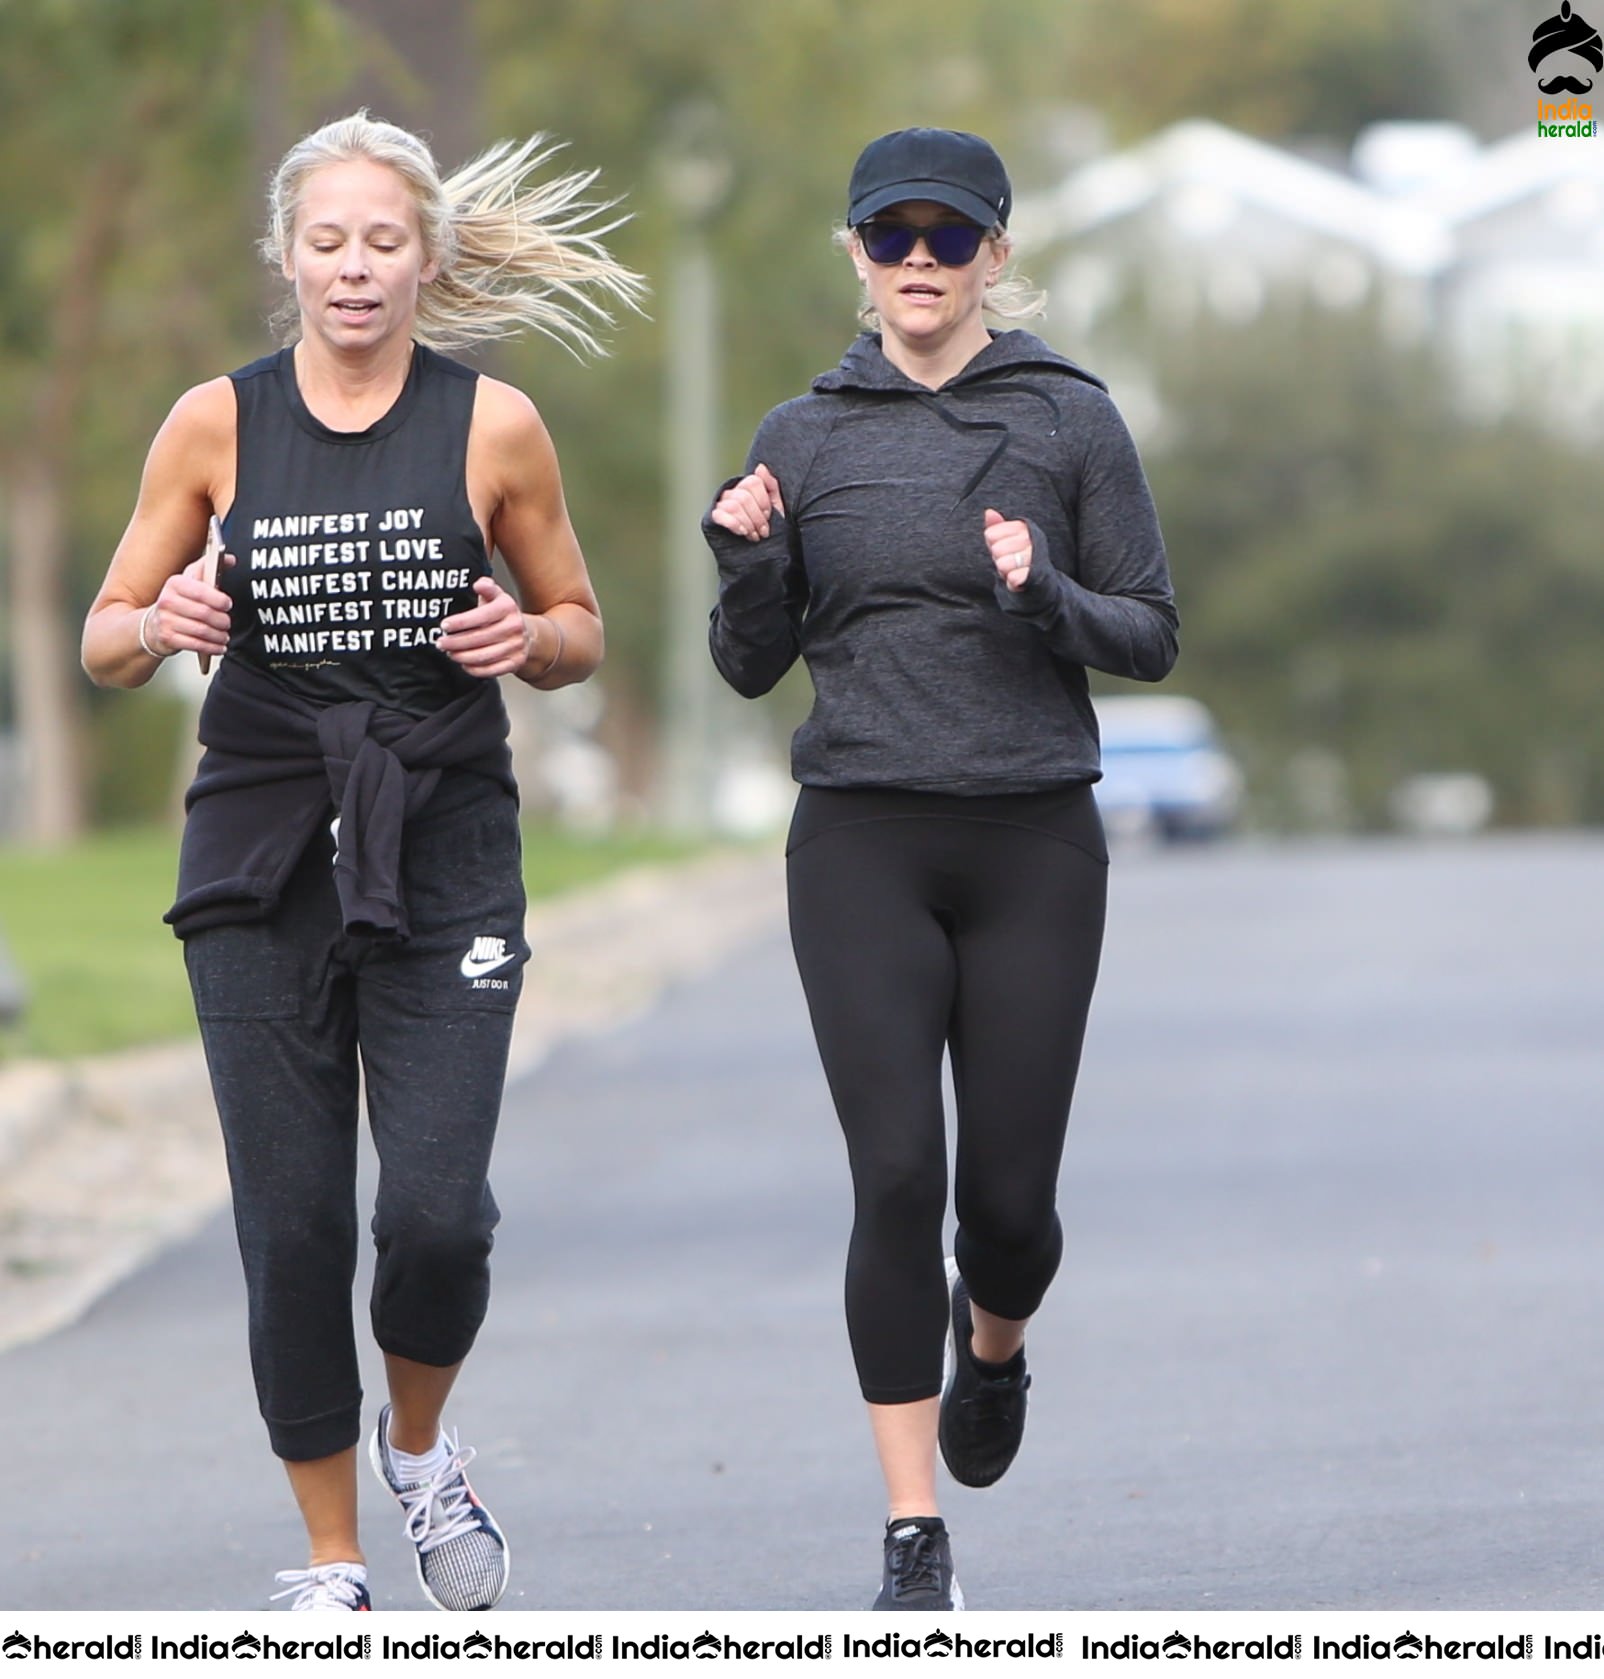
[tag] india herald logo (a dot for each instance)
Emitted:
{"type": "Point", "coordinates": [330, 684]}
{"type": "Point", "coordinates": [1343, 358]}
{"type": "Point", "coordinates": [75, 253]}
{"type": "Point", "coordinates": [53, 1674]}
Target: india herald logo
{"type": "Point", "coordinates": [1571, 35]}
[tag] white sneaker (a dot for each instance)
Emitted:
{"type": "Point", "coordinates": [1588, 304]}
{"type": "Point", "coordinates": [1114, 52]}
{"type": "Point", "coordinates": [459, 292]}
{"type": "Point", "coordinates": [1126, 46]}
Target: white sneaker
{"type": "Point", "coordinates": [332, 1585]}
{"type": "Point", "coordinates": [462, 1555]}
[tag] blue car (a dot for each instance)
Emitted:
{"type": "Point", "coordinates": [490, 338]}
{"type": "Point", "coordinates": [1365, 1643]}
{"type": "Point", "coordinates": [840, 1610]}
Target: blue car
{"type": "Point", "coordinates": [1165, 773]}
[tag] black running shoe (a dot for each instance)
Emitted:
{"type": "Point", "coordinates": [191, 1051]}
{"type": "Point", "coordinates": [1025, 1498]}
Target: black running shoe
{"type": "Point", "coordinates": [918, 1569]}
{"type": "Point", "coordinates": [982, 1417]}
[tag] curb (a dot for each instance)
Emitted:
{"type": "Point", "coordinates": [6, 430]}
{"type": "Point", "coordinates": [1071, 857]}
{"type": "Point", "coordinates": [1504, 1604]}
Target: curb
{"type": "Point", "coordinates": [105, 1162]}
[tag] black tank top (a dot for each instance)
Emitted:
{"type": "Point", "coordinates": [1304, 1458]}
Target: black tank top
{"type": "Point", "coordinates": [351, 546]}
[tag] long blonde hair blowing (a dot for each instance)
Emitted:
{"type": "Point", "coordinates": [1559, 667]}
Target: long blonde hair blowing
{"type": "Point", "coordinates": [1011, 298]}
{"type": "Point", "coordinates": [511, 256]}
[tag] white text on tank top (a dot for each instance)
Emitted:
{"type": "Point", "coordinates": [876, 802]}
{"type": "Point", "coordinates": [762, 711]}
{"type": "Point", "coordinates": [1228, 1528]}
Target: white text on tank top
{"type": "Point", "coordinates": [336, 584]}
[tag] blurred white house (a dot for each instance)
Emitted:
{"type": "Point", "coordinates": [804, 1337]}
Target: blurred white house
{"type": "Point", "coordinates": [1492, 254]}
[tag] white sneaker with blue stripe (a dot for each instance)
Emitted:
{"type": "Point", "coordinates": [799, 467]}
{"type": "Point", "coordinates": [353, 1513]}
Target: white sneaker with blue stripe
{"type": "Point", "coordinates": [462, 1555]}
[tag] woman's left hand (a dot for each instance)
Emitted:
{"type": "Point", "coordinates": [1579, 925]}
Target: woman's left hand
{"type": "Point", "coordinates": [1009, 542]}
{"type": "Point", "coordinates": [493, 638]}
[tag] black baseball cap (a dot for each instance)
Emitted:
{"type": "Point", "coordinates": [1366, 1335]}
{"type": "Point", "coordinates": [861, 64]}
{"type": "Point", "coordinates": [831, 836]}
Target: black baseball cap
{"type": "Point", "coordinates": [944, 165]}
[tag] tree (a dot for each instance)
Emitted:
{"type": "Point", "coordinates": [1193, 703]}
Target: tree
{"type": "Point", "coordinates": [1363, 572]}
{"type": "Point", "coordinates": [1274, 70]}
{"type": "Point", "coordinates": [790, 94]}
{"type": "Point", "coordinates": [138, 134]}
{"type": "Point", "coordinates": [126, 150]}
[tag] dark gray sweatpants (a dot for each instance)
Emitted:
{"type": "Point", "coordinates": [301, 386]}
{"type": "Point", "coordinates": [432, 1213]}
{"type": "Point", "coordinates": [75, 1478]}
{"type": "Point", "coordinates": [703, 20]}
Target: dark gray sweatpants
{"type": "Point", "coordinates": [286, 1008]}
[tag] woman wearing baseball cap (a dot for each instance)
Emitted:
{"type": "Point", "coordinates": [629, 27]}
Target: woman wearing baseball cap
{"type": "Point", "coordinates": [951, 527]}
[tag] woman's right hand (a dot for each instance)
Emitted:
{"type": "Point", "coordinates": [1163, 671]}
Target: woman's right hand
{"type": "Point", "coordinates": [744, 508]}
{"type": "Point", "coordinates": [189, 614]}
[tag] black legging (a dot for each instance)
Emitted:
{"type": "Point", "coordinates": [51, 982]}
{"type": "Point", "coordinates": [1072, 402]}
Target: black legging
{"type": "Point", "coordinates": [927, 921]}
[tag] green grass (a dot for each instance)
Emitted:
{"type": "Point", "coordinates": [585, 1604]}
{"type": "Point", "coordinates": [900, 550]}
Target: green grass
{"type": "Point", "coordinates": [84, 928]}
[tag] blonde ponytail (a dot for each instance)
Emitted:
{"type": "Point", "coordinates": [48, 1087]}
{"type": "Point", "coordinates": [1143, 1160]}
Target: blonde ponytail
{"type": "Point", "coordinates": [510, 256]}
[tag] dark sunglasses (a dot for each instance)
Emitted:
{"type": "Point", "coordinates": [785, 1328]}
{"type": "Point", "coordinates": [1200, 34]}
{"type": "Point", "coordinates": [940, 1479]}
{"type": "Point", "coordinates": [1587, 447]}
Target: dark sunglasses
{"type": "Point", "coordinates": [952, 244]}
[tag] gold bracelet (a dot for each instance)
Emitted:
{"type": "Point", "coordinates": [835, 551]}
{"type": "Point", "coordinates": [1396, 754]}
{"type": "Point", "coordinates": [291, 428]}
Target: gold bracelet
{"type": "Point", "coordinates": [541, 677]}
{"type": "Point", "coordinates": [144, 620]}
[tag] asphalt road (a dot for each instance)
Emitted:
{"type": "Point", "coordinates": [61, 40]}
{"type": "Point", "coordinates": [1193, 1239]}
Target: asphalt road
{"type": "Point", "coordinates": [1327, 1335]}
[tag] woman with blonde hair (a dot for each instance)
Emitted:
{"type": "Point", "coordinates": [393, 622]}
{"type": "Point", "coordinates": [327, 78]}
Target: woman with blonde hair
{"type": "Point", "coordinates": [950, 528]}
{"type": "Point", "coordinates": [349, 881]}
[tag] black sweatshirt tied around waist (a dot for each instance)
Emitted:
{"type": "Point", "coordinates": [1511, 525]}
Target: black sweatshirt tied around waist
{"type": "Point", "coordinates": [274, 766]}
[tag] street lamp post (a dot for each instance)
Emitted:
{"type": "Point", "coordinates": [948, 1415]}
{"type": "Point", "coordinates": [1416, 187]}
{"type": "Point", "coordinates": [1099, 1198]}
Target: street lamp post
{"type": "Point", "coordinates": [13, 992]}
{"type": "Point", "coordinates": [694, 176]}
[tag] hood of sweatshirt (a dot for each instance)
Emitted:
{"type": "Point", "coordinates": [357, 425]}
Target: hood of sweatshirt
{"type": "Point", "coordinates": [1010, 356]}
{"type": "Point", "coordinates": [1013, 362]}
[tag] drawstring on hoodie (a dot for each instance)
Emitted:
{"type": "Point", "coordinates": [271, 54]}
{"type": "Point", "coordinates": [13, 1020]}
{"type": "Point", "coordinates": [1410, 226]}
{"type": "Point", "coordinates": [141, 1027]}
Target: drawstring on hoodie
{"type": "Point", "coordinates": [864, 371]}
{"type": "Point", "coordinates": [988, 388]}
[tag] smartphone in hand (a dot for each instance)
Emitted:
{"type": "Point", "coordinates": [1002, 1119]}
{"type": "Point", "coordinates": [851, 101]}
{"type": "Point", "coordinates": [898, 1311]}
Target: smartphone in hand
{"type": "Point", "coordinates": [210, 560]}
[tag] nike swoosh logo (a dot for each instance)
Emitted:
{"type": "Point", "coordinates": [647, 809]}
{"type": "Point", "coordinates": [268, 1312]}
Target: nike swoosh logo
{"type": "Point", "coordinates": [472, 969]}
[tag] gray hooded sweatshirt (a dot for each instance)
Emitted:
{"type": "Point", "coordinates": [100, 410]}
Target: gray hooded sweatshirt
{"type": "Point", "coordinates": [928, 672]}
